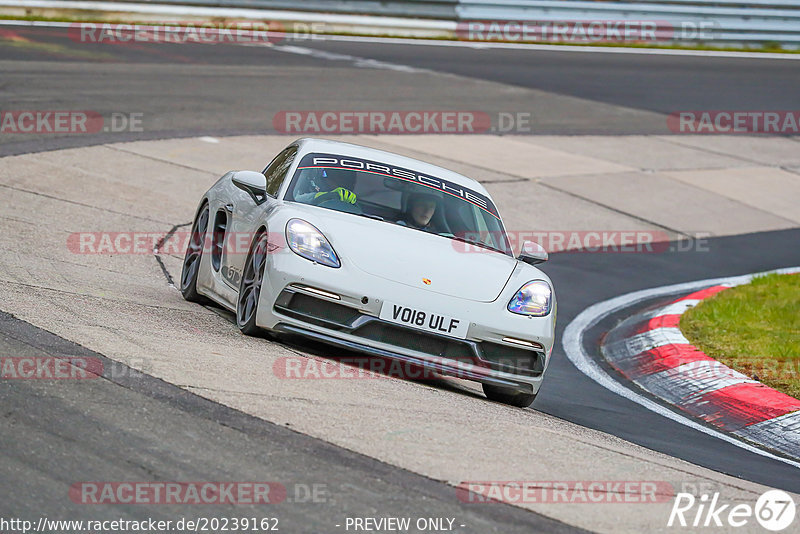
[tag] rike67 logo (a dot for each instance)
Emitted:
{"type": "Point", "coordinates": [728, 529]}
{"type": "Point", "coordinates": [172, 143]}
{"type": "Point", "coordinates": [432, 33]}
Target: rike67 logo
{"type": "Point", "coordinates": [774, 510]}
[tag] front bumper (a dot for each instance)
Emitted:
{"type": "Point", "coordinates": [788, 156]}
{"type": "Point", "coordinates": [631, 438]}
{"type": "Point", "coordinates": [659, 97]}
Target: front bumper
{"type": "Point", "coordinates": [352, 322]}
{"type": "Point", "coordinates": [442, 366]}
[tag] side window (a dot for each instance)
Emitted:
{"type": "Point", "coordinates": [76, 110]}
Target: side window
{"type": "Point", "coordinates": [277, 170]}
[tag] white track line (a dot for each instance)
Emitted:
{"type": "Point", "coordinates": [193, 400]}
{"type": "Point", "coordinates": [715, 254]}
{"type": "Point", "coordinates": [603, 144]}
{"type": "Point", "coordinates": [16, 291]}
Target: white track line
{"type": "Point", "coordinates": [360, 62]}
{"type": "Point", "coordinates": [573, 347]}
{"type": "Point", "coordinates": [567, 48]}
{"type": "Point", "coordinates": [482, 45]}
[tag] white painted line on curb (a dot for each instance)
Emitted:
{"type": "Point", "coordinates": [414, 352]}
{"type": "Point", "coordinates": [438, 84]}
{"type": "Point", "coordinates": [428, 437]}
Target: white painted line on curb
{"type": "Point", "coordinates": [652, 339]}
{"type": "Point", "coordinates": [683, 384]}
{"type": "Point", "coordinates": [784, 430]}
{"type": "Point", "coordinates": [573, 347]}
{"type": "Point", "coordinates": [676, 308]}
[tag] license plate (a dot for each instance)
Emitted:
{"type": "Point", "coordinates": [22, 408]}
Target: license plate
{"type": "Point", "coordinates": [424, 320]}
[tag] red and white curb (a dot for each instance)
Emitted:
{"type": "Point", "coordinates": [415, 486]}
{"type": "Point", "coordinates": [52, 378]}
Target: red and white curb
{"type": "Point", "coordinates": [772, 431]}
{"type": "Point", "coordinates": [649, 350]}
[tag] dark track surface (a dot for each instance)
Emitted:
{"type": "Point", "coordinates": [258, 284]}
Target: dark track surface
{"type": "Point", "coordinates": [128, 426]}
{"type": "Point", "coordinates": [650, 82]}
{"type": "Point", "coordinates": [237, 87]}
{"type": "Point", "coordinates": [224, 89]}
{"type": "Point", "coordinates": [586, 279]}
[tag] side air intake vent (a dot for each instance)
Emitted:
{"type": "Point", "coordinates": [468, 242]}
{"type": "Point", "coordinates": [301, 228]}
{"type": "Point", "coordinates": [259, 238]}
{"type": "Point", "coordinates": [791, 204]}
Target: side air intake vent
{"type": "Point", "coordinates": [218, 238]}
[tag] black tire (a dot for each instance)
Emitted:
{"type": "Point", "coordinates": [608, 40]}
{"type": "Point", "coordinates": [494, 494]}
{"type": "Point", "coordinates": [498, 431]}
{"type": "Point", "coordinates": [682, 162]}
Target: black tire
{"type": "Point", "coordinates": [508, 396]}
{"type": "Point", "coordinates": [250, 286]}
{"type": "Point", "coordinates": [191, 260]}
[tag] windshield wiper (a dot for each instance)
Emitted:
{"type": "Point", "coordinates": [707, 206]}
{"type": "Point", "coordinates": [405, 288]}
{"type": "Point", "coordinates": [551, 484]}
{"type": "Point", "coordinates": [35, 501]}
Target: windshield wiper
{"type": "Point", "coordinates": [370, 216]}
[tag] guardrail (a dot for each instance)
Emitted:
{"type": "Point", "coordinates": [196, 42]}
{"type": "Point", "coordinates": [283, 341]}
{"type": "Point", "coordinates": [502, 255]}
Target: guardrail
{"type": "Point", "coordinates": [714, 22]}
{"type": "Point", "coordinates": [438, 9]}
{"type": "Point", "coordinates": [717, 21]}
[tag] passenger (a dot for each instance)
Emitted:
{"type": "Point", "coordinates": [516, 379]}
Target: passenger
{"type": "Point", "coordinates": [420, 211]}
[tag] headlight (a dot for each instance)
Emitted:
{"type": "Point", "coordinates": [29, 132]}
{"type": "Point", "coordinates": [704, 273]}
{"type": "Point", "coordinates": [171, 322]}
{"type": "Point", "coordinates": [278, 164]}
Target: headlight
{"type": "Point", "coordinates": [306, 241]}
{"type": "Point", "coordinates": [534, 298]}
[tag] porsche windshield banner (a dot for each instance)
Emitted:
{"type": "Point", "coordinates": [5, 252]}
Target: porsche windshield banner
{"type": "Point", "coordinates": [334, 161]}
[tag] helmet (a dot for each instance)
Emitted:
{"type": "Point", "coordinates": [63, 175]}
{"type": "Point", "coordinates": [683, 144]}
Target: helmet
{"type": "Point", "coordinates": [415, 193]}
{"type": "Point", "coordinates": [338, 178]}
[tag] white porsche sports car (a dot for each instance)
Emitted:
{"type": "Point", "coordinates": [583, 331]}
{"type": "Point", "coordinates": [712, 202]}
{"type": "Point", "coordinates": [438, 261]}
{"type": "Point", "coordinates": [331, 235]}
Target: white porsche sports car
{"type": "Point", "coordinates": [376, 253]}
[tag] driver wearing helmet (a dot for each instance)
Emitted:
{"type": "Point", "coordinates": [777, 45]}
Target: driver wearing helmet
{"type": "Point", "coordinates": [419, 211]}
{"type": "Point", "coordinates": [331, 184]}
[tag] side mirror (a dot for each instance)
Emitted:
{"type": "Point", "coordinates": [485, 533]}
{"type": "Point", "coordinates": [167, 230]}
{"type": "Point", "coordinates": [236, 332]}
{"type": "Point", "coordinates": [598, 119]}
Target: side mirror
{"type": "Point", "coordinates": [532, 253]}
{"type": "Point", "coordinates": [253, 182]}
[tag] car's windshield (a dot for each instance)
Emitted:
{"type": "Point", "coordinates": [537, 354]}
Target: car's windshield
{"type": "Point", "coordinates": [399, 196]}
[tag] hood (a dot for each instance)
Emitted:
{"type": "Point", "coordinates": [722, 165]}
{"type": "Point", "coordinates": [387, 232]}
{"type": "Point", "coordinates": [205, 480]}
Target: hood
{"type": "Point", "coordinates": [409, 256]}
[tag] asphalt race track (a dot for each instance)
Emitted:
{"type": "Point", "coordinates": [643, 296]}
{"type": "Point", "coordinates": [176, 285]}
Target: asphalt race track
{"type": "Point", "coordinates": [106, 430]}
{"type": "Point", "coordinates": [159, 428]}
{"type": "Point", "coordinates": [236, 87]}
